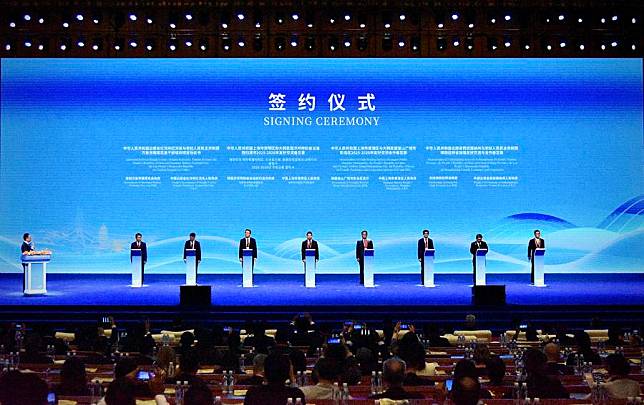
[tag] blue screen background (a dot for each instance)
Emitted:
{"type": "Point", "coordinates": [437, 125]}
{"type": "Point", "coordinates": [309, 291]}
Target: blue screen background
{"type": "Point", "coordinates": [577, 124]}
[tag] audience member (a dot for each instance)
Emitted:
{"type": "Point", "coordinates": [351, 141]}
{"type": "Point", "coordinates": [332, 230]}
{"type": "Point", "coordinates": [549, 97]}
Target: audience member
{"type": "Point", "coordinates": [199, 394]}
{"type": "Point", "coordinates": [393, 376]}
{"type": "Point", "coordinates": [73, 378]}
{"type": "Point", "coordinates": [582, 339]}
{"type": "Point", "coordinates": [258, 371]}
{"type": "Point", "coordinates": [18, 388]}
{"type": "Point", "coordinates": [465, 391]}
{"type": "Point", "coordinates": [325, 373]}
{"type": "Point", "coordinates": [539, 383]}
{"type": "Point", "coordinates": [554, 365]}
{"type": "Point", "coordinates": [619, 386]}
{"type": "Point", "coordinates": [278, 370]}
{"type": "Point", "coordinates": [348, 366]}
{"type": "Point", "coordinates": [495, 367]}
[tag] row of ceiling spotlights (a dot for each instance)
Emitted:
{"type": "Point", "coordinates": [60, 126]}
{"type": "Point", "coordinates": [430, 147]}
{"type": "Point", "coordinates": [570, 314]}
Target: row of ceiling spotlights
{"type": "Point", "coordinates": [334, 43]}
{"type": "Point", "coordinates": [173, 20]}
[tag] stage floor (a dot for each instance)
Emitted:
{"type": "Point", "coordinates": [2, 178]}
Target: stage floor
{"type": "Point", "coordinates": [332, 290]}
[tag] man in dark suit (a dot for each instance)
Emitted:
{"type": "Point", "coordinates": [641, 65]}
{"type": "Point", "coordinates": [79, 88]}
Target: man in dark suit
{"type": "Point", "coordinates": [394, 371]}
{"type": "Point", "coordinates": [310, 243]}
{"type": "Point", "coordinates": [424, 243]}
{"type": "Point", "coordinates": [476, 245]}
{"type": "Point", "coordinates": [139, 244]}
{"type": "Point", "coordinates": [535, 243]}
{"type": "Point", "coordinates": [247, 243]}
{"type": "Point", "coordinates": [192, 243]}
{"type": "Point", "coordinates": [361, 245]}
{"type": "Point", "coordinates": [26, 247]}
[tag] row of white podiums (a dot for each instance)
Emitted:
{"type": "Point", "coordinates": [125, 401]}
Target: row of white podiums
{"type": "Point", "coordinates": [310, 268]}
{"type": "Point", "coordinates": [36, 269]}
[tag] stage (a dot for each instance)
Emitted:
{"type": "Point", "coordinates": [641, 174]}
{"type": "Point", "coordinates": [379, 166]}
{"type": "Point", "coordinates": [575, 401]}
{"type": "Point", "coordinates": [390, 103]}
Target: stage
{"type": "Point", "coordinates": [331, 290]}
{"type": "Point", "coordinates": [572, 298]}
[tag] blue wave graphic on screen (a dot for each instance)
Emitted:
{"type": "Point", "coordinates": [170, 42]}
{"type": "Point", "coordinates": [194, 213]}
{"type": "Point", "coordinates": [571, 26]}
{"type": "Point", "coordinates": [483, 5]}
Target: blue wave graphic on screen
{"type": "Point", "coordinates": [570, 249]}
{"type": "Point", "coordinates": [628, 216]}
{"type": "Point", "coordinates": [532, 216]}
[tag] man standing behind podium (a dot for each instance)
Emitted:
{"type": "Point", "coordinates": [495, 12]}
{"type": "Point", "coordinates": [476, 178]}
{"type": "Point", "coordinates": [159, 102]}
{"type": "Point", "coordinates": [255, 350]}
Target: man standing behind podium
{"type": "Point", "coordinates": [192, 243]}
{"type": "Point", "coordinates": [139, 244]}
{"type": "Point", "coordinates": [535, 243]}
{"type": "Point", "coordinates": [26, 247]}
{"type": "Point", "coordinates": [476, 245]}
{"type": "Point", "coordinates": [424, 243]}
{"type": "Point", "coordinates": [361, 245]}
{"type": "Point", "coordinates": [309, 243]}
{"type": "Point", "coordinates": [247, 243]}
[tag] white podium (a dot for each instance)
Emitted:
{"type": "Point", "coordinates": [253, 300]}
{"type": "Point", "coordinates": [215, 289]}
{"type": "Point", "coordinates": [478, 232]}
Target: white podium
{"type": "Point", "coordinates": [480, 266]}
{"type": "Point", "coordinates": [35, 274]}
{"type": "Point", "coordinates": [247, 268]}
{"type": "Point", "coordinates": [191, 267]}
{"type": "Point", "coordinates": [428, 276]}
{"type": "Point", "coordinates": [310, 267]}
{"type": "Point", "coordinates": [539, 278]}
{"type": "Point", "coordinates": [136, 266]}
{"type": "Point", "coordinates": [368, 268]}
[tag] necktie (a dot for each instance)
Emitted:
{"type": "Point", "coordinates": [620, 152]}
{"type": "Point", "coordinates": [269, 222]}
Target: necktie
{"type": "Point", "coordinates": [138, 244]}
{"type": "Point", "coordinates": [192, 244]}
{"type": "Point", "coordinates": [426, 244]}
{"type": "Point", "coordinates": [247, 243]}
{"type": "Point", "coordinates": [537, 242]}
{"type": "Point", "coordinates": [309, 244]}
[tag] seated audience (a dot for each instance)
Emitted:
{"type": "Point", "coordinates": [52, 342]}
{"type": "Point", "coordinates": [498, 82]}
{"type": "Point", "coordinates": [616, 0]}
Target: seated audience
{"type": "Point", "coordinates": [258, 371]}
{"type": "Point", "coordinates": [33, 351]}
{"type": "Point", "coordinates": [123, 391]}
{"type": "Point", "coordinates": [495, 367]}
{"type": "Point", "coordinates": [467, 368]}
{"type": "Point", "coordinates": [584, 350]}
{"type": "Point", "coordinates": [434, 338]}
{"type": "Point", "coordinates": [138, 340]}
{"type": "Point", "coordinates": [393, 376]}
{"type": "Point", "coordinates": [165, 356]}
{"type": "Point", "coordinates": [411, 350]}
{"type": "Point", "coordinates": [554, 365]}
{"type": "Point", "coordinates": [325, 374]}
{"type": "Point", "coordinates": [283, 346]}
{"type": "Point", "coordinates": [465, 391]}
{"type": "Point", "coordinates": [186, 341]}
{"type": "Point", "coordinates": [539, 383]}
{"type": "Point", "coordinates": [259, 340]}
{"type": "Point", "coordinates": [73, 378]}
{"type": "Point", "coordinates": [128, 369]}
{"type": "Point", "coordinates": [470, 322]}
{"type": "Point", "coordinates": [188, 367]}
{"type": "Point", "coordinates": [366, 360]}
{"type": "Point", "coordinates": [199, 394]}
{"type": "Point", "coordinates": [413, 354]}
{"type": "Point", "coordinates": [615, 337]}
{"type": "Point", "coordinates": [480, 356]}
{"type": "Point", "coordinates": [18, 388]}
{"type": "Point", "coordinates": [278, 370]}
{"type": "Point", "coordinates": [348, 367]}
{"type": "Point", "coordinates": [619, 386]}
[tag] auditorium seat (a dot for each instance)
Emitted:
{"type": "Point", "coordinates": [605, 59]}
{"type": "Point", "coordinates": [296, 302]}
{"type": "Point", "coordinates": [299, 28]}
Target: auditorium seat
{"type": "Point", "coordinates": [480, 336]}
{"type": "Point", "coordinates": [65, 336]}
{"type": "Point", "coordinates": [597, 335]}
